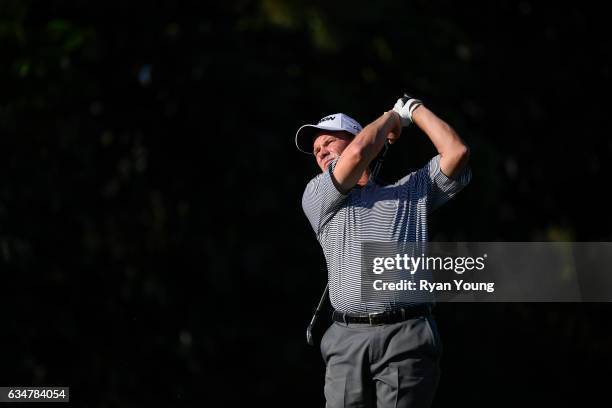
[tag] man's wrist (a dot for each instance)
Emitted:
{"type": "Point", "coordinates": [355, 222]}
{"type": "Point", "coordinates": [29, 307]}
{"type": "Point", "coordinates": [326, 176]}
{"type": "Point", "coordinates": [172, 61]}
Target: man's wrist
{"type": "Point", "coordinates": [396, 117]}
{"type": "Point", "coordinates": [416, 113]}
{"type": "Point", "coordinates": [414, 105]}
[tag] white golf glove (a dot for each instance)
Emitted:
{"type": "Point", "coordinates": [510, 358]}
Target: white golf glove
{"type": "Point", "coordinates": [405, 106]}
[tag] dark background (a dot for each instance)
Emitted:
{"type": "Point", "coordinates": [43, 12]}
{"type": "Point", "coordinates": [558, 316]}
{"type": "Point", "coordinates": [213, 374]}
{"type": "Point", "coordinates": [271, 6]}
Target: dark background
{"type": "Point", "coordinates": [153, 250]}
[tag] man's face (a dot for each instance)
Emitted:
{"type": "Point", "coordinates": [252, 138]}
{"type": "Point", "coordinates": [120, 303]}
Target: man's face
{"type": "Point", "coordinates": [327, 145]}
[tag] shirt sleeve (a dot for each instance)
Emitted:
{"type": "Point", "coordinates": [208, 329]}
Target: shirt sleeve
{"type": "Point", "coordinates": [321, 199]}
{"type": "Point", "coordinates": [439, 187]}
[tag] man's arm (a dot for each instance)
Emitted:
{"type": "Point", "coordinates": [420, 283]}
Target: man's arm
{"type": "Point", "coordinates": [363, 149]}
{"type": "Point", "coordinates": [454, 153]}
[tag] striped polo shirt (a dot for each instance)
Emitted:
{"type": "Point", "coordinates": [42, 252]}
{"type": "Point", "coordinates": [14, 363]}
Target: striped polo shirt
{"type": "Point", "coordinates": [373, 213]}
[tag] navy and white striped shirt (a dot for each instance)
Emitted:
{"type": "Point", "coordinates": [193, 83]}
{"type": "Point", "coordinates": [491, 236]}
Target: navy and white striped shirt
{"type": "Point", "coordinates": [394, 213]}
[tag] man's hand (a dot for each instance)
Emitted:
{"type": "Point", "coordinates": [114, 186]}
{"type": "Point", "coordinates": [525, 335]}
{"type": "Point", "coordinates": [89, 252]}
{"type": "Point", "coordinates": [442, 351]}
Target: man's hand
{"type": "Point", "coordinates": [396, 131]}
{"type": "Point", "coordinates": [405, 106]}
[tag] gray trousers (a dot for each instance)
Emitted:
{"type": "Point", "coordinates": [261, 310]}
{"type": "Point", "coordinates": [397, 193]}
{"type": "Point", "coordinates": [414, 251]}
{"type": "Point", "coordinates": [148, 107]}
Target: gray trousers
{"type": "Point", "coordinates": [393, 365]}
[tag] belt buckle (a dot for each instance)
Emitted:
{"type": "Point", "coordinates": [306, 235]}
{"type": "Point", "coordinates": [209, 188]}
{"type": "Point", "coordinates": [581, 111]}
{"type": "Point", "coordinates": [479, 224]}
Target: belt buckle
{"type": "Point", "coordinates": [374, 314]}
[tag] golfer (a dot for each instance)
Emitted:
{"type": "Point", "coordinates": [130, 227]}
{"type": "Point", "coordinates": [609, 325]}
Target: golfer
{"type": "Point", "coordinates": [377, 353]}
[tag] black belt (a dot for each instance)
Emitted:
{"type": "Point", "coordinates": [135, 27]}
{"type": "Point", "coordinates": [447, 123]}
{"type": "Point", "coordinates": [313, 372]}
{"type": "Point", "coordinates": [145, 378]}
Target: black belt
{"type": "Point", "coordinates": [387, 317]}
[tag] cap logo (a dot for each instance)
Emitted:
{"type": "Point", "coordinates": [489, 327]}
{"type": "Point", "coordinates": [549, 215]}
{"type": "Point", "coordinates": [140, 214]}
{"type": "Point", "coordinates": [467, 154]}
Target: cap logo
{"type": "Point", "coordinates": [325, 119]}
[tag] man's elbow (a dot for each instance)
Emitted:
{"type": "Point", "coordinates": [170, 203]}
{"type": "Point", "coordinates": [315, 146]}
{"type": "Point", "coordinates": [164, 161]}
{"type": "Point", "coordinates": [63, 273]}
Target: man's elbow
{"type": "Point", "coordinates": [458, 151]}
{"type": "Point", "coordinates": [455, 160]}
{"type": "Point", "coordinates": [461, 158]}
{"type": "Point", "coordinates": [463, 154]}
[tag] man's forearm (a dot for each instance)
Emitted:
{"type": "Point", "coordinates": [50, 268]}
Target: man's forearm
{"type": "Point", "coordinates": [363, 149]}
{"type": "Point", "coordinates": [371, 139]}
{"type": "Point", "coordinates": [454, 153]}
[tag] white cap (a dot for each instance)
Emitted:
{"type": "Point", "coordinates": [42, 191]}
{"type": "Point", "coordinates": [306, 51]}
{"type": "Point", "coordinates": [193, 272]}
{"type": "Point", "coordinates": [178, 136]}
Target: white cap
{"type": "Point", "coordinates": [334, 122]}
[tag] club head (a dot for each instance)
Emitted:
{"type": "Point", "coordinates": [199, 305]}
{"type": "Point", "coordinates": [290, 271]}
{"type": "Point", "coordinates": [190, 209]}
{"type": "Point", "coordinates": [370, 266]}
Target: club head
{"type": "Point", "coordinates": [309, 339]}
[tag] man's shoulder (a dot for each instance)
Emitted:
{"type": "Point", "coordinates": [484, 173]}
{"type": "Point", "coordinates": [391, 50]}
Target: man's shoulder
{"type": "Point", "coordinates": [313, 181]}
{"type": "Point", "coordinates": [316, 180]}
{"type": "Point", "coordinates": [311, 190]}
{"type": "Point", "coordinates": [411, 179]}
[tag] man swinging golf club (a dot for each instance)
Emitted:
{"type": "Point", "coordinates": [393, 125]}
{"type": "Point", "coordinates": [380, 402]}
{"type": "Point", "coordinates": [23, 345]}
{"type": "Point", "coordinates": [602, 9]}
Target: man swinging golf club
{"type": "Point", "coordinates": [377, 354]}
